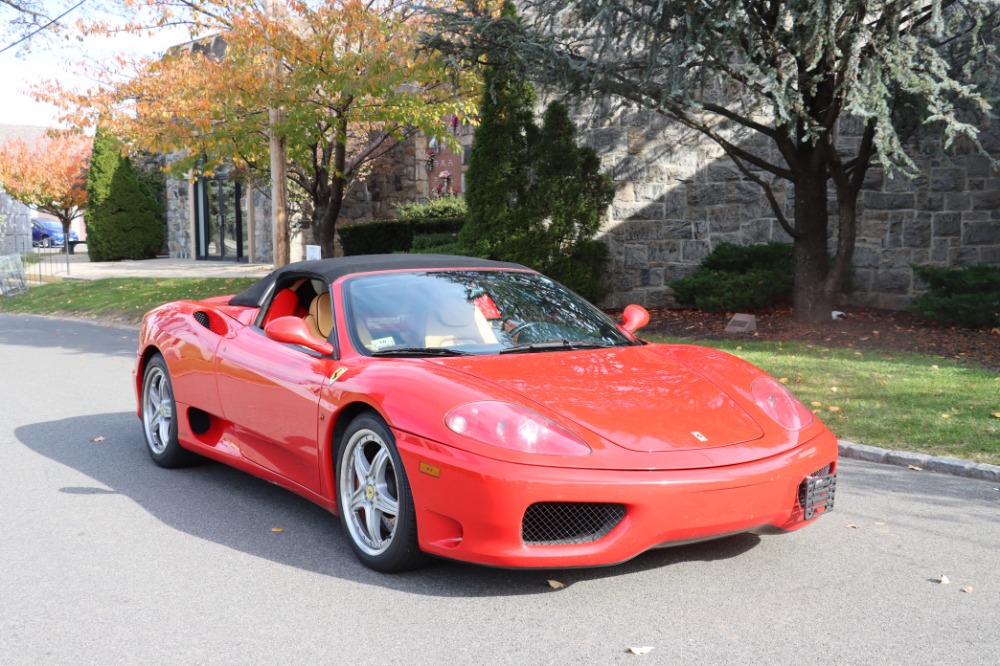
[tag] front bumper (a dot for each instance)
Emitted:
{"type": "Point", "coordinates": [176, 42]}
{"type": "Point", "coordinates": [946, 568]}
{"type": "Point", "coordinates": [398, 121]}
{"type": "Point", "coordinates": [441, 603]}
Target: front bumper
{"type": "Point", "coordinates": [473, 508]}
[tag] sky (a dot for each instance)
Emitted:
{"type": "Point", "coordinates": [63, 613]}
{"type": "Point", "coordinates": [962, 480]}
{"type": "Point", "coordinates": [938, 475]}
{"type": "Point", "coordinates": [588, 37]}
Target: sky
{"type": "Point", "coordinates": [53, 58]}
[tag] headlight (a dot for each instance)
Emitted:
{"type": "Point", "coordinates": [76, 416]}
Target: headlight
{"type": "Point", "coordinates": [513, 427]}
{"type": "Point", "coordinates": [779, 403]}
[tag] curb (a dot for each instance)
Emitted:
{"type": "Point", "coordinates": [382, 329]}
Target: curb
{"type": "Point", "coordinates": [941, 464]}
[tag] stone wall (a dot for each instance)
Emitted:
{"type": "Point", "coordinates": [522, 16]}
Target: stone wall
{"type": "Point", "coordinates": [179, 241]}
{"type": "Point", "coordinates": [678, 196]}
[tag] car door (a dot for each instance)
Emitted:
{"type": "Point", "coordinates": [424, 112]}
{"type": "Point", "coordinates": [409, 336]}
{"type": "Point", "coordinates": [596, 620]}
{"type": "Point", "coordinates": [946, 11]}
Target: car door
{"type": "Point", "coordinates": [270, 393]}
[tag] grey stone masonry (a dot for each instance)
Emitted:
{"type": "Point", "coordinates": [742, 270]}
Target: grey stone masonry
{"type": "Point", "coordinates": [678, 196]}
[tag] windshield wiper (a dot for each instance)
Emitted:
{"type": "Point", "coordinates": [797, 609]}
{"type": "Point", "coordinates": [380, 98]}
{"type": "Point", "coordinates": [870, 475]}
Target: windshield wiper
{"type": "Point", "coordinates": [553, 345]}
{"type": "Point", "coordinates": [419, 351]}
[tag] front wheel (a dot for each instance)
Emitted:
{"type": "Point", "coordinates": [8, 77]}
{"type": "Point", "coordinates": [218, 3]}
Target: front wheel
{"type": "Point", "coordinates": [159, 417]}
{"type": "Point", "coordinates": [373, 495]}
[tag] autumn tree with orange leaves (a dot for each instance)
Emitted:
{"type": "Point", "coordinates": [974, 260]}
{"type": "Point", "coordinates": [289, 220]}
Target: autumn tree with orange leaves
{"type": "Point", "coordinates": [49, 174]}
{"type": "Point", "coordinates": [352, 85]}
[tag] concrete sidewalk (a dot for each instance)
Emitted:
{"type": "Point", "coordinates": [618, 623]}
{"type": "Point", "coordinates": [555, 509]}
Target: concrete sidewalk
{"type": "Point", "coordinates": [81, 268]}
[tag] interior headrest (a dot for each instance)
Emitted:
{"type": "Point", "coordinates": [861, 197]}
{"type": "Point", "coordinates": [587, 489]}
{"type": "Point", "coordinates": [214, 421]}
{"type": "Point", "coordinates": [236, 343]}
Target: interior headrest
{"type": "Point", "coordinates": [456, 313]}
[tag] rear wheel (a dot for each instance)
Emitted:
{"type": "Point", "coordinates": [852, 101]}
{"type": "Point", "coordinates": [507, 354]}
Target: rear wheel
{"type": "Point", "coordinates": [373, 495]}
{"type": "Point", "coordinates": [159, 417]}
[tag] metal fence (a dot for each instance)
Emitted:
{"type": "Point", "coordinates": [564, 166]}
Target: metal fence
{"type": "Point", "coordinates": [23, 263]}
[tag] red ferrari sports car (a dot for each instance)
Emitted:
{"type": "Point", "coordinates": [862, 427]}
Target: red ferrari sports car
{"type": "Point", "coordinates": [479, 411]}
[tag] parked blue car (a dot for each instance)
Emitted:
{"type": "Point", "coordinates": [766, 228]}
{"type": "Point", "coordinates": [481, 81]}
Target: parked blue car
{"type": "Point", "coordinates": [49, 233]}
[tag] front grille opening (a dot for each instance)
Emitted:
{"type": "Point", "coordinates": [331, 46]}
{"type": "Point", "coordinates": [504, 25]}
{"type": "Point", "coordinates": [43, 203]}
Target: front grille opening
{"type": "Point", "coordinates": [556, 523]}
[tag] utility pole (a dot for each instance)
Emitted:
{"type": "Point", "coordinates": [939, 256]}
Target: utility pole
{"type": "Point", "coordinates": [279, 162]}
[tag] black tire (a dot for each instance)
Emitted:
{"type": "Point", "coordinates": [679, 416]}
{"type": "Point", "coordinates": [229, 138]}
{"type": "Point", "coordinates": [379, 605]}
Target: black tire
{"type": "Point", "coordinates": [374, 498]}
{"type": "Point", "coordinates": [159, 417]}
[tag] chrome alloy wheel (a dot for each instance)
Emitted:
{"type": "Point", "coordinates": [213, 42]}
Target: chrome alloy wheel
{"type": "Point", "coordinates": [369, 492]}
{"type": "Point", "coordinates": [157, 409]}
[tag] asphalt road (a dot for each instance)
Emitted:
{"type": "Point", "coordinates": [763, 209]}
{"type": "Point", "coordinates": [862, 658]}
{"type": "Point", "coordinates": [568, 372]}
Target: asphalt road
{"type": "Point", "coordinates": [108, 559]}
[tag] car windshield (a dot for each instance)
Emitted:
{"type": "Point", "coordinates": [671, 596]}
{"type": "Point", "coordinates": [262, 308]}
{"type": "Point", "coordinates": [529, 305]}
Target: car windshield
{"type": "Point", "coordinates": [471, 312]}
{"type": "Point", "coordinates": [50, 225]}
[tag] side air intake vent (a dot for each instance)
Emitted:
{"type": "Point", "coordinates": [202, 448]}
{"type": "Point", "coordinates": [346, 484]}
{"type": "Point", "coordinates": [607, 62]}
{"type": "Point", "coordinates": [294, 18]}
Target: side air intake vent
{"type": "Point", "coordinates": [202, 319]}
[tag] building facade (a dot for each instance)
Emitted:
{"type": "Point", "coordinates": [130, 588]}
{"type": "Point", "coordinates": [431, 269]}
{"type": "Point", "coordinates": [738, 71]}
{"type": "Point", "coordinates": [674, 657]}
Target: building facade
{"type": "Point", "coordinates": [677, 196]}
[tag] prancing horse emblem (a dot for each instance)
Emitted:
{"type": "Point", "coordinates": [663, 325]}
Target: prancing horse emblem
{"type": "Point", "coordinates": [700, 437]}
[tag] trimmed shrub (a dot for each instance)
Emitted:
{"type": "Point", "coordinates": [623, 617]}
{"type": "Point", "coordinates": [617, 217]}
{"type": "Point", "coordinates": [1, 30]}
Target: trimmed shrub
{"type": "Point", "coordinates": [443, 248]}
{"type": "Point", "coordinates": [966, 297]}
{"type": "Point", "coordinates": [739, 278]}
{"type": "Point", "coordinates": [443, 208]}
{"type": "Point", "coordinates": [386, 236]}
{"type": "Point", "coordinates": [421, 227]}
{"type": "Point", "coordinates": [436, 224]}
{"type": "Point", "coordinates": [732, 258]}
{"type": "Point", "coordinates": [428, 242]}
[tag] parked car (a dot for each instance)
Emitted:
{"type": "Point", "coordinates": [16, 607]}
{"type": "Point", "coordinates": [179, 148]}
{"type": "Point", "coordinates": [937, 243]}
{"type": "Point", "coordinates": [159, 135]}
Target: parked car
{"type": "Point", "coordinates": [49, 233]}
{"type": "Point", "coordinates": [479, 411]}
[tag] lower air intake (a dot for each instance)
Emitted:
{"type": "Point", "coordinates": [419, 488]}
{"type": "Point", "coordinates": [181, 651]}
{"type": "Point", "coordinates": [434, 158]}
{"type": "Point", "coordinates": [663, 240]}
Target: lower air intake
{"type": "Point", "coordinates": [556, 523]}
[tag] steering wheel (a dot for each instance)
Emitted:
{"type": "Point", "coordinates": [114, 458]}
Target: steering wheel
{"type": "Point", "coordinates": [515, 333]}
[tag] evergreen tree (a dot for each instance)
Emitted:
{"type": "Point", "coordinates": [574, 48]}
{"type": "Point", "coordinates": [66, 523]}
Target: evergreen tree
{"type": "Point", "coordinates": [567, 202]}
{"type": "Point", "coordinates": [124, 220]}
{"type": "Point", "coordinates": [534, 196]}
{"type": "Point", "coordinates": [498, 164]}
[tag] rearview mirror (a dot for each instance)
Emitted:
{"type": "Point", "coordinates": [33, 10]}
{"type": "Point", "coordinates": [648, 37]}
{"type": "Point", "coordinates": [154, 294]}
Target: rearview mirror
{"type": "Point", "coordinates": [634, 318]}
{"type": "Point", "coordinates": [294, 331]}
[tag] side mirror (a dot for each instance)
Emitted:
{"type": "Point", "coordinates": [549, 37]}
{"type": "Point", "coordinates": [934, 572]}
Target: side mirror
{"type": "Point", "coordinates": [292, 330]}
{"type": "Point", "coordinates": [634, 318]}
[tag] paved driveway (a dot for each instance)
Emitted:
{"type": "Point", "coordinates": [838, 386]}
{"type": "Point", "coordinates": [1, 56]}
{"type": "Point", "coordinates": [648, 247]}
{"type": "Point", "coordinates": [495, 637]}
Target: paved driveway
{"type": "Point", "coordinates": [108, 559]}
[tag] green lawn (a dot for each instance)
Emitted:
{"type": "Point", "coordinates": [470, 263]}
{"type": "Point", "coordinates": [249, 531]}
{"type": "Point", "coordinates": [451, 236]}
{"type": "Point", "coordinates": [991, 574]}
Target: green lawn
{"type": "Point", "coordinates": [117, 299]}
{"type": "Point", "coordinates": [917, 403]}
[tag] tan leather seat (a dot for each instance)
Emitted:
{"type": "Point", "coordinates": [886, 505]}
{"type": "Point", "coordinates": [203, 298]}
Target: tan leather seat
{"type": "Point", "coordinates": [320, 317]}
{"type": "Point", "coordinates": [458, 323]}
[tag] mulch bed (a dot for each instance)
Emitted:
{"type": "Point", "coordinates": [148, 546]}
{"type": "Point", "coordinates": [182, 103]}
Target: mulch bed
{"type": "Point", "coordinates": [860, 328]}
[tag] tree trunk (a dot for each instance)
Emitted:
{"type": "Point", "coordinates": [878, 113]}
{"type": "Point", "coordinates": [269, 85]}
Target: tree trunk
{"type": "Point", "coordinates": [327, 203]}
{"type": "Point", "coordinates": [811, 299]}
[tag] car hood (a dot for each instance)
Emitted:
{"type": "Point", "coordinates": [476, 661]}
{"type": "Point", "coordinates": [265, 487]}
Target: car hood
{"type": "Point", "coordinates": [633, 397]}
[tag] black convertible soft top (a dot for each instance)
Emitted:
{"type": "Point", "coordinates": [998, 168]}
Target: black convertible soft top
{"type": "Point", "coordinates": [334, 269]}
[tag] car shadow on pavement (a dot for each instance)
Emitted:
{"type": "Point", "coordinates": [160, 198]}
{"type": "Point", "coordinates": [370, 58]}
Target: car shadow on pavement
{"type": "Point", "coordinates": [225, 506]}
